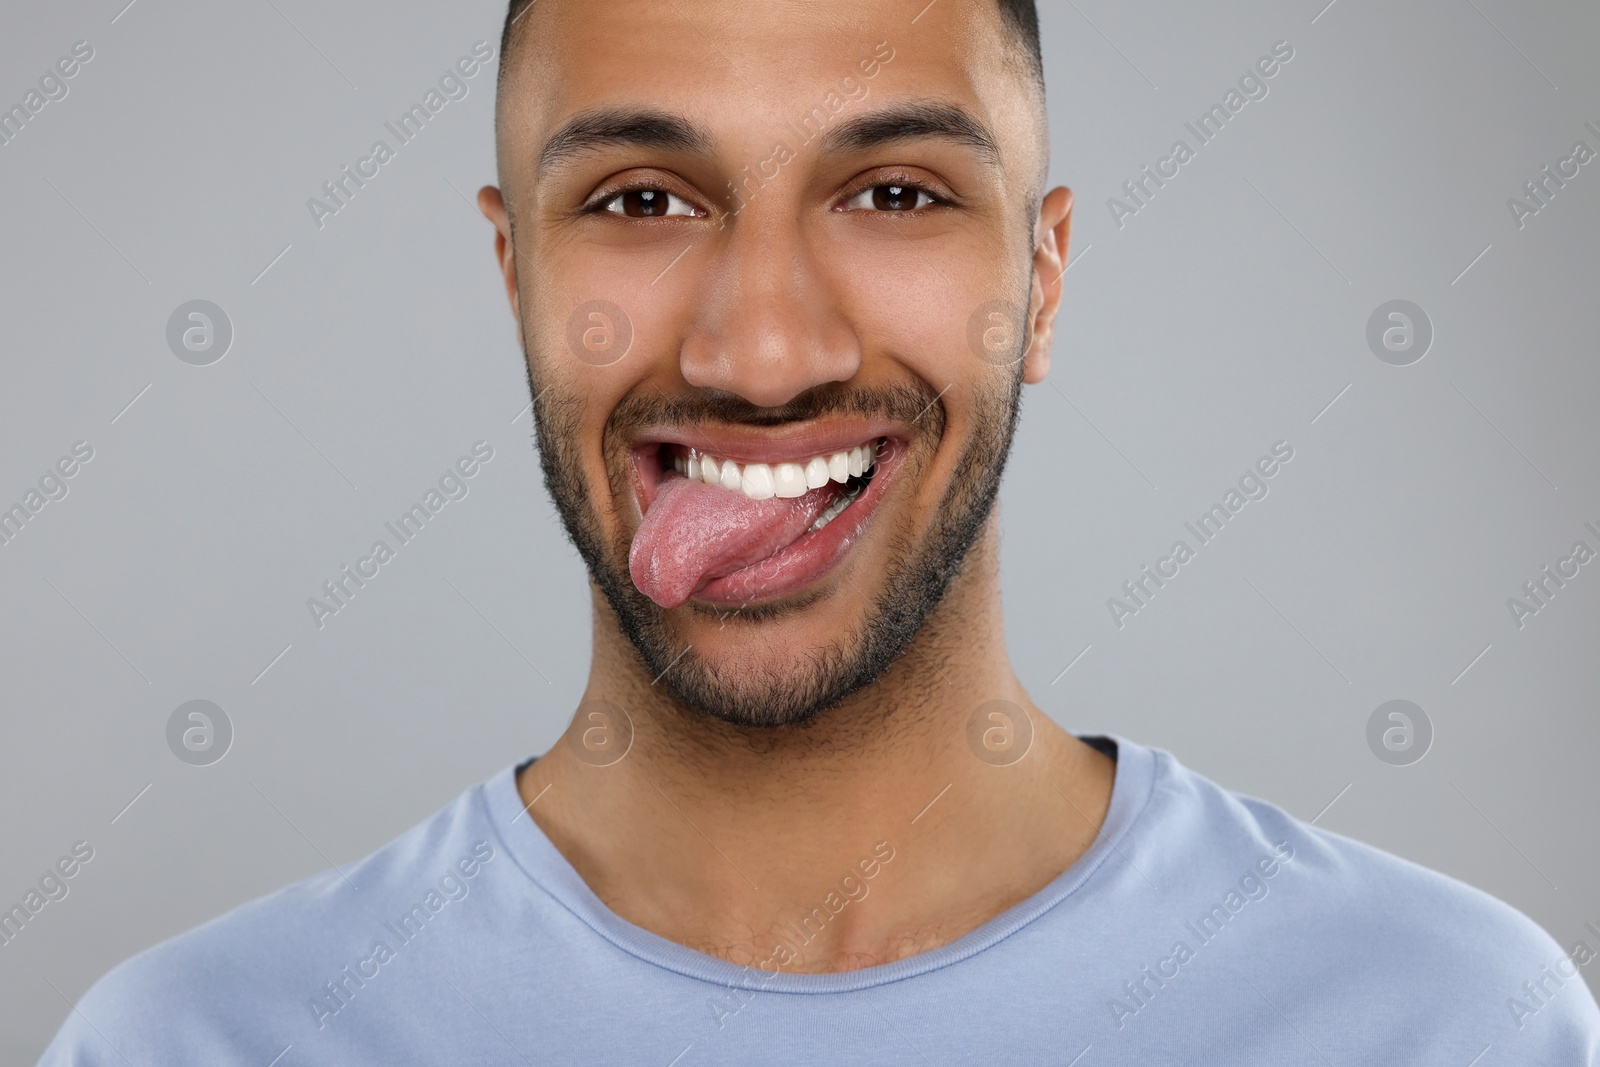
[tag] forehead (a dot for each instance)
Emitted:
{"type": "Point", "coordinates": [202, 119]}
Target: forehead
{"type": "Point", "coordinates": [734, 64]}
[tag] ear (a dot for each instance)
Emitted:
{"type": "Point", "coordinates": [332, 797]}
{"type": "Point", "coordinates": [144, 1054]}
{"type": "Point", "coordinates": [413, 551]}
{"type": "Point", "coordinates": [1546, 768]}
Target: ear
{"type": "Point", "coordinates": [493, 206]}
{"type": "Point", "coordinates": [1049, 264]}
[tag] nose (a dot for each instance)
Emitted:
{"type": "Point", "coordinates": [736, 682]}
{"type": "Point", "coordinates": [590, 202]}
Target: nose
{"type": "Point", "coordinates": [772, 325]}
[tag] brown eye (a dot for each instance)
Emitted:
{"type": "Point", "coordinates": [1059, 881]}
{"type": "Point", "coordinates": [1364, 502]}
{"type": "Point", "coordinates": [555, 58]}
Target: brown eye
{"type": "Point", "coordinates": [890, 198]}
{"type": "Point", "coordinates": [895, 198]}
{"type": "Point", "coordinates": [644, 203]}
{"type": "Point", "coordinates": [647, 204]}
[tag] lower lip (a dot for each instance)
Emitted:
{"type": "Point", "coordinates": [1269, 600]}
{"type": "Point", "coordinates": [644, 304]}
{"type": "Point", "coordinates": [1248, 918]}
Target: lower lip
{"type": "Point", "coordinates": [813, 556]}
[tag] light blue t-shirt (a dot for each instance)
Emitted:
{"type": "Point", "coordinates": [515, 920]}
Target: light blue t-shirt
{"type": "Point", "coordinates": [1201, 927]}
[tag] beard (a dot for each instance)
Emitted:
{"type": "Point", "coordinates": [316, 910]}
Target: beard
{"type": "Point", "coordinates": [917, 577]}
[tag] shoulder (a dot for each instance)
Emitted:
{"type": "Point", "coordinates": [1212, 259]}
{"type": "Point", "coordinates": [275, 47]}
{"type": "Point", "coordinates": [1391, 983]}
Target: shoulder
{"type": "Point", "coordinates": [1381, 936]}
{"type": "Point", "coordinates": [237, 989]}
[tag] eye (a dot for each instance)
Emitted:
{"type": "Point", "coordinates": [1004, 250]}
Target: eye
{"type": "Point", "coordinates": [647, 204]}
{"type": "Point", "coordinates": [892, 197]}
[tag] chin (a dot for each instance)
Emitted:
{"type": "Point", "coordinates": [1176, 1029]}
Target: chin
{"type": "Point", "coordinates": [767, 697]}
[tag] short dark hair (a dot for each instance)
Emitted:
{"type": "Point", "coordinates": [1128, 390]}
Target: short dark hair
{"type": "Point", "coordinates": [1020, 16]}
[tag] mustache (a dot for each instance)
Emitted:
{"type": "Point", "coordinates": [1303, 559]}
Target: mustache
{"type": "Point", "coordinates": [909, 403]}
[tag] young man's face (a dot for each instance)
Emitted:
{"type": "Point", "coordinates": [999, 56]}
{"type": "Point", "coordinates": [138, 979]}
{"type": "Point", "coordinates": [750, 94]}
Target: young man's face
{"type": "Point", "coordinates": [771, 234]}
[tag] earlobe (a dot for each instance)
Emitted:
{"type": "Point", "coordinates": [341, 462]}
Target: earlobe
{"type": "Point", "coordinates": [1049, 266]}
{"type": "Point", "coordinates": [1036, 361]}
{"type": "Point", "coordinates": [493, 206]}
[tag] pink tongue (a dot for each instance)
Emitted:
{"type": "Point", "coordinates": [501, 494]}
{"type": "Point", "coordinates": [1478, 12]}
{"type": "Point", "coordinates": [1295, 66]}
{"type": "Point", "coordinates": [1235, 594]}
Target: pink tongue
{"type": "Point", "coordinates": [694, 532]}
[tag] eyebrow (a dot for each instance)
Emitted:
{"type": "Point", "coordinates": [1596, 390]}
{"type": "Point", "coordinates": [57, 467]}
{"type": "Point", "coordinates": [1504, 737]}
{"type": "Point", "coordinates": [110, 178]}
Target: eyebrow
{"type": "Point", "coordinates": [914, 121]}
{"type": "Point", "coordinates": [646, 128]}
{"type": "Point", "coordinates": [623, 127]}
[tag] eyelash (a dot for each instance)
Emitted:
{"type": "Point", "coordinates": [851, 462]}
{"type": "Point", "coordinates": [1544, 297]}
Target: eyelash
{"type": "Point", "coordinates": [601, 204]}
{"type": "Point", "coordinates": [900, 181]}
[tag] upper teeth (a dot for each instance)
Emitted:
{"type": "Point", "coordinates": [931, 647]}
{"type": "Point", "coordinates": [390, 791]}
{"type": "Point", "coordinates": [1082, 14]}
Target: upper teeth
{"type": "Point", "coordinates": [762, 481]}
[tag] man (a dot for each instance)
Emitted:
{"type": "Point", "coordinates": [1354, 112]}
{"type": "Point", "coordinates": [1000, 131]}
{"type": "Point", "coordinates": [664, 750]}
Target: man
{"type": "Point", "coordinates": [780, 271]}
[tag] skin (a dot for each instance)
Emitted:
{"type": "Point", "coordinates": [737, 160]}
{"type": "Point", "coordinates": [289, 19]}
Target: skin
{"type": "Point", "coordinates": [714, 835]}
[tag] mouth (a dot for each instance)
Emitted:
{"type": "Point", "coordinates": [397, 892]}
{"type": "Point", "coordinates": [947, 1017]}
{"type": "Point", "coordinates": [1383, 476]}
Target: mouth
{"type": "Point", "coordinates": [744, 520]}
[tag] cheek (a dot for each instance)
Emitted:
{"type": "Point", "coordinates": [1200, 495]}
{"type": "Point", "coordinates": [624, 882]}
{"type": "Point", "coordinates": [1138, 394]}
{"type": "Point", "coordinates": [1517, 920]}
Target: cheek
{"type": "Point", "coordinates": [902, 309]}
{"type": "Point", "coordinates": [586, 397]}
{"type": "Point", "coordinates": [592, 336]}
{"type": "Point", "coordinates": [623, 312]}
{"type": "Point", "coordinates": [919, 311]}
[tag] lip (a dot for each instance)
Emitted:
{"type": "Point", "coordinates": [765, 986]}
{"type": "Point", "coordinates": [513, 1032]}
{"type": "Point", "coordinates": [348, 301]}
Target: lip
{"type": "Point", "coordinates": [750, 444]}
{"type": "Point", "coordinates": [815, 554]}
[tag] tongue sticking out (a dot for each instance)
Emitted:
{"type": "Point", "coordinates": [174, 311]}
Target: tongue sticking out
{"type": "Point", "coordinates": [694, 532]}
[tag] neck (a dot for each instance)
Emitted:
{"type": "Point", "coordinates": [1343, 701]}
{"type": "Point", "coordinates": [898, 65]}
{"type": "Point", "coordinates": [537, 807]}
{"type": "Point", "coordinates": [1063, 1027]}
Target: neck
{"type": "Point", "coordinates": [728, 839]}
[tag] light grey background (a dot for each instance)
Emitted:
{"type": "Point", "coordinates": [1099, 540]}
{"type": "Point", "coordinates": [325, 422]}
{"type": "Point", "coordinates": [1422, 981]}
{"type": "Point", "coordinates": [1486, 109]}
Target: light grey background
{"type": "Point", "coordinates": [1223, 317]}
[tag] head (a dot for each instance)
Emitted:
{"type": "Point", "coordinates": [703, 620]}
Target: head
{"type": "Point", "coordinates": [771, 234]}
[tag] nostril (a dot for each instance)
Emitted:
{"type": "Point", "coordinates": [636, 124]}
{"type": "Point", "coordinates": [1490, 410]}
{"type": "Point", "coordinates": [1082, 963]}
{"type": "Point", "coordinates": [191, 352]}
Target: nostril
{"type": "Point", "coordinates": [768, 358]}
